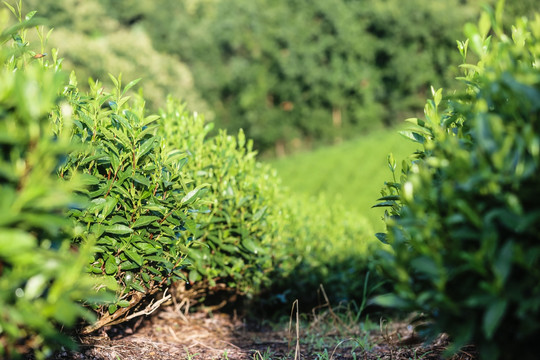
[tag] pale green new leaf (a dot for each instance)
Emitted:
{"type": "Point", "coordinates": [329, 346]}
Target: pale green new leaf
{"type": "Point", "coordinates": [118, 229]}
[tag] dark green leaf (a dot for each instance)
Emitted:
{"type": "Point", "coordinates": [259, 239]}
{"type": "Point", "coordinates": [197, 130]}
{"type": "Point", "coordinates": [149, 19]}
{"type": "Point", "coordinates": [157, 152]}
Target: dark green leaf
{"type": "Point", "coordinates": [493, 317]}
{"type": "Point", "coordinates": [133, 255]}
{"type": "Point", "coordinates": [112, 308]}
{"type": "Point", "coordinates": [137, 287]}
{"type": "Point", "coordinates": [385, 204]}
{"type": "Point", "coordinates": [383, 237]}
{"type": "Point", "coordinates": [144, 220]}
{"type": "Point", "coordinates": [141, 179]}
{"type": "Point", "coordinates": [389, 197]}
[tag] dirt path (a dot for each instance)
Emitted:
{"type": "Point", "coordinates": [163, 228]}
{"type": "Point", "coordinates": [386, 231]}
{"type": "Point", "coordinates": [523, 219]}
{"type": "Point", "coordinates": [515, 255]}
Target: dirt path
{"type": "Point", "coordinates": [172, 335]}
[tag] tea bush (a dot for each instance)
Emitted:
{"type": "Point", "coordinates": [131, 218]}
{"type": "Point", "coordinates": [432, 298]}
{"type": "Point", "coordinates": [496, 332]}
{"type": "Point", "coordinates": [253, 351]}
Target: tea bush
{"type": "Point", "coordinates": [42, 277]}
{"type": "Point", "coordinates": [464, 219]}
{"type": "Point", "coordinates": [321, 242]}
{"type": "Point", "coordinates": [138, 192]}
{"type": "Point", "coordinates": [234, 233]}
{"type": "Point", "coordinates": [144, 174]}
{"type": "Point", "coordinates": [252, 235]}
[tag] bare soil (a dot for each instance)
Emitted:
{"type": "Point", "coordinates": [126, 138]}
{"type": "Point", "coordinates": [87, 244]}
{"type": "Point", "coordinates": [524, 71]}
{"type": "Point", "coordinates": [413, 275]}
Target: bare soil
{"type": "Point", "coordinates": [171, 334]}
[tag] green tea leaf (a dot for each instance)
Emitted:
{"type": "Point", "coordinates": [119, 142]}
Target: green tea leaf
{"type": "Point", "coordinates": [414, 136]}
{"type": "Point", "coordinates": [87, 179]}
{"type": "Point", "coordinates": [385, 204]}
{"type": "Point", "coordinates": [123, 303]}
{"type": "Point", "coordinates": [493, 317]}
{"type": "Point", "coordinates": [118, 229]}
{"type": "Point", "coordinates": [259, 214]}
{"type": "Point", "coordinates": [110, 266]}
{"type": "Point", "coordinates": [389, 197]}
{"type": "Point", "coordinates": [146, 248]}
{"type": "Point", "coordinates": [145, 147]}
{"type": "Point", "coordinates": [190, 196]}
{"type": "Point", "coordinates": [144, 220]}
{"type": "Point", "coordinates": [112, 308]}
{"type": "Point", "coordinates": [133, 255]}
{"type": "Point", "coordinates": [109, 206]}
{"type": "Point", "coordinates": [383, 237]}
{"type": "Point", "coordinates": [130, 85]}
{"type": "Point", "coordinates": [137, 287]}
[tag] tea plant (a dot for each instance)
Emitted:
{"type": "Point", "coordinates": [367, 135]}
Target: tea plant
{"type": "Point", "coordinates": [42, 277]}
{"type": "Point", "coordinates": [138, 195]}
{"type": "Point", "coordinates": [464, 221]}
{"type": "Point", "coordinates": [234, 234]}
{"type": "Point", "coordinates": [321, 242]}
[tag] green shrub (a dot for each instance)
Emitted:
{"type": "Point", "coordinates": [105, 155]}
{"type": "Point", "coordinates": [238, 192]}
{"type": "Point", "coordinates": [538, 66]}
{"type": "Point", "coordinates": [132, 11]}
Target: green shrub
{"type": "Point", "coordinates": [234, 236]}
{"type": "Point", "coordinates": [139, 195]}
{"type": "Point", "coordinates": [42, 278]}
{"type": "Point", "coordinates": [464, 219]}
{"type": "Point", "coordinates": [321, 243]}
{"type": "Point", "coordinates": [254, 236]}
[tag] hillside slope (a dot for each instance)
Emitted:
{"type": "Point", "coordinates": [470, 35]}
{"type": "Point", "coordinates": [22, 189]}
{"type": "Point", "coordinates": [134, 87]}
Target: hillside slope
{"type": "Point", "coordinates": [352, 172]}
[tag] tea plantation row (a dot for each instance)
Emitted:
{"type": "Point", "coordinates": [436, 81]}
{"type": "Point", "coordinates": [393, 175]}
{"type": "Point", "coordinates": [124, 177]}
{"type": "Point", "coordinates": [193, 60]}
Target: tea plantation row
{"type": "Point", "coordinates": [105, 207]}
{"type": "Point", "coordinates": [463, 219]}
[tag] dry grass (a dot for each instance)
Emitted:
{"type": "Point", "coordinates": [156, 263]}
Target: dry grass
{"type": "Point", "coordinates": [324, 334]}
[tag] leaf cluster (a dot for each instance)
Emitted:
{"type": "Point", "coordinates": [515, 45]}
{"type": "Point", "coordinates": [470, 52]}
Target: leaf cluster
{"type": "Point", "coordinates": [234, 233]}
{"type": "Point", "coordinates": [138, 194]}
{"type": "Point", "coordinates": [463, 219]}
{"type": "Point", "coordinates": [42, 277]}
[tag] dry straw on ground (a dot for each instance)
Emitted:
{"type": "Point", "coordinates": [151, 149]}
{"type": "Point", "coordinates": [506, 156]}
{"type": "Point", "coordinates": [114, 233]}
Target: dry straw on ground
{"type": "Point", "coordinates": [172, 333]}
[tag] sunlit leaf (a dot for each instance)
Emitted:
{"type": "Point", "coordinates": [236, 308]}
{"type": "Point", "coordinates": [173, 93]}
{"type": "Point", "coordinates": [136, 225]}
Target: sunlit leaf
{"type": "Point", "coordinates": [118, 229]}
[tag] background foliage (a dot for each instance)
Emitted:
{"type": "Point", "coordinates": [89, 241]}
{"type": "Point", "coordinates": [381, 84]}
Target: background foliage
{"type": "Point", "coordinates": [95, 40]}
{"type": "Point", "coordinates": [348, 173]}
{"type": "Point", "coordinates": [291, 74]}
{"type": "Point", "coordinates": [463, 225]}
{"type": "Point", "coordinates": [310, 70]}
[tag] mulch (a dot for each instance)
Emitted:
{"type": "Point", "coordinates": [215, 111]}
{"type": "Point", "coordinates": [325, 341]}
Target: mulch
{"type": "Point", "coordinates": [173, 334]}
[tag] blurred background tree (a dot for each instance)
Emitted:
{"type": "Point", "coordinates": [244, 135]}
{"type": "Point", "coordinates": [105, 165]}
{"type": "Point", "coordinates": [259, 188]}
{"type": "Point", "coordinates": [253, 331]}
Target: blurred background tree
{"type": "Point", "coordinates": [298, 72]}
{"type": "Point", "coordinates": [293, 74]}
{"type": "Point", "coordinates": [95, 39]}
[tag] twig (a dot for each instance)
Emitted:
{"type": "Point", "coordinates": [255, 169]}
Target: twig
{"type": "Point", "coordinates": [297, 348]}
{"type": "Point", "coordinates": [231, 344]}
{"type": "Point", "coordinates": [149, 309]}
{"type": "Point", "coordinates": [336, 318]}
{"type": "Point", "coordinates": [173, 334]}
